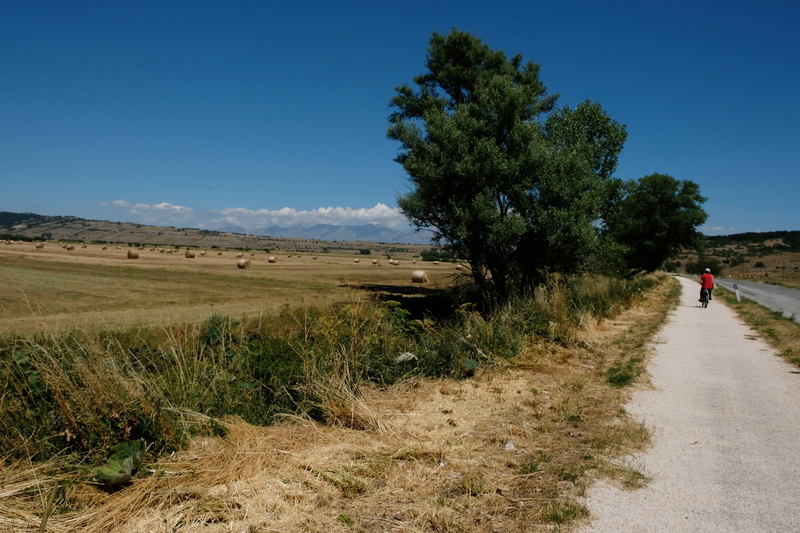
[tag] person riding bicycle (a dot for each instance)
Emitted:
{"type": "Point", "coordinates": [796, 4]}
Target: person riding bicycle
{"type": "Point", "coordinates": [706, 283]}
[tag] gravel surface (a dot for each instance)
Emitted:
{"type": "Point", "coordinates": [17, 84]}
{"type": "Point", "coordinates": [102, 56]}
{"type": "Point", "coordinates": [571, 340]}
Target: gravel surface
{"type": "Point", "coordinates": [781, 299]}
{"type": "Point", "coordinates": [723, 411]}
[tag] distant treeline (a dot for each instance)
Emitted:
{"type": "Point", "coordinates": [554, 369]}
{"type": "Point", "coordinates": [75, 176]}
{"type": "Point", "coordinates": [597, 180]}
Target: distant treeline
{"type": "Point", "coordinates": [12, 237]}
{"type": "Point", "coordinates": [8, 219]}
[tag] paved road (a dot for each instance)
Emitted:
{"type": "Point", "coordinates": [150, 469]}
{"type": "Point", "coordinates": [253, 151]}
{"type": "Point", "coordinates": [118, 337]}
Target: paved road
{"type": "Point", "coordinates": [723, 411]}
{"type": "Point", "coordinates": [781, 299]}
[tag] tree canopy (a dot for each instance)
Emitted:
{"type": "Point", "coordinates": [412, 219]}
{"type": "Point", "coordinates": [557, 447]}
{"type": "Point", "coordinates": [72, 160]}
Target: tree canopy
{"type": "Point", "coordinates": [515, 186]}
{"type": "Point", "coordinates": [655, 218]}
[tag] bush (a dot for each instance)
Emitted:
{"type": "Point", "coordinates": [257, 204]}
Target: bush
{"type": "Point", "coordinates": [699, 266]}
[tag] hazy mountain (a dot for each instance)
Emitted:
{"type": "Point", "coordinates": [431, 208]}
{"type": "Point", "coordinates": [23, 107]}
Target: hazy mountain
{"type": "Point", "coordinates": [366, 232]}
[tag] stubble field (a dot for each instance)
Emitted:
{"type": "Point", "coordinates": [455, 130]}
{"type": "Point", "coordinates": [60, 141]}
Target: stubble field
{"type": "Point", "coordinates": [54, 289]}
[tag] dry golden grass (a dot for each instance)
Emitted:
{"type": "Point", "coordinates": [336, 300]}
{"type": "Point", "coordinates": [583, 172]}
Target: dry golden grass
{"type": "Point", "coordinates": [512, 449]}
{"type": "Point", "coordinates": [54, 289]}
{"type": "Point", "coordinates": [780, 332]}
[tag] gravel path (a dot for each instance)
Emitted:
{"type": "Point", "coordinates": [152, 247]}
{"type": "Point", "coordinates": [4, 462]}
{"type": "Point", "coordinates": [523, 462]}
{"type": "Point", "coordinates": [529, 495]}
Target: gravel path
{"type": "Point", "coordinates": [782, 299]}
{"type": "Point", "coordinates": [725, 416]}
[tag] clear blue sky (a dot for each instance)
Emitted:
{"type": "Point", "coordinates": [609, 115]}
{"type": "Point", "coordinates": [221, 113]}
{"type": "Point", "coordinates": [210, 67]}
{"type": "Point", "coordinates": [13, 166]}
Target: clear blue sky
{"type": "Point", "coordinates": [195, 110]}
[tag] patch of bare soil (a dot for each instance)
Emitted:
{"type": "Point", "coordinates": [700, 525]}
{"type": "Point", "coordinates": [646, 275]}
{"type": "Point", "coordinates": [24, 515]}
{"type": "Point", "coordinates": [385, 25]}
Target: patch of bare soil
{"type": "Point", "coordinates": [511, 449]}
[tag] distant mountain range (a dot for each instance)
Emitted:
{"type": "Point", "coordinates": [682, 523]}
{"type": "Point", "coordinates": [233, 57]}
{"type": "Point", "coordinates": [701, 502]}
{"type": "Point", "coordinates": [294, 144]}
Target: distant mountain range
{"type": "Point", "coordinates": [329, 232]}
{"type": "Point", "coordinates": [366, 232]}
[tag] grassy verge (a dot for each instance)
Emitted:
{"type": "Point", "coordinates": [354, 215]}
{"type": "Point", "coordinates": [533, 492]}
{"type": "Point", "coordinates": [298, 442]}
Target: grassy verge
{"type": "Point", "coordinates": [508, 416]}
{"type": "Point", "coordinates": [780, 332]}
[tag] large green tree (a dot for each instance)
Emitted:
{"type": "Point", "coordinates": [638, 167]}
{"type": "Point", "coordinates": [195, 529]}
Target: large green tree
{"type": "Point", "coordinates": [656, 217]}
{"type": "Point", "coordinates": [513, 185]}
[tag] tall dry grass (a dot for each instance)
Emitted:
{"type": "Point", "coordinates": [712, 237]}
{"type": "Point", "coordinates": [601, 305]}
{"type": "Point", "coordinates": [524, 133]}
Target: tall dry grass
{"type": "Point", "coordinates": [68, 399]}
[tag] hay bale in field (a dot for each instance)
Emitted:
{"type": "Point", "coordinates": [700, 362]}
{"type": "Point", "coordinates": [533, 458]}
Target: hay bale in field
{"type": "Point", "coordinates": [240, 254]}
{"type": "Point", "coordinates": [356, 260]}
{"type": "Point", "coordinates": [189, 255]}
{"type": "Point", "coordinates": [203, 252]}
{"type": "Point", "coordinates": [118, 248]}
{"type": "Point", "coordinates": [84, 246]}
{"type": "Point", "coordinates": [70, 247]}
{"type": "Point", "coordinates": [39, 246]}
{"type": "Point", "coordinates": [375, 261]}
{"type": "Point", "coordinates": [414, 261]}
{"type": "Point", "coordinates": [419, 276]}
{"type": "Point", "coordinates": [243, 263]}
{"type": "Point", "coordinates": [133, 255]}
{"type": "Point", "coordinates": [436, 262]}
{"type": "Point", "coordinates": [314, 258]}
{"type": "Point", "coordinates": [161, 250]}
{"type": "Point", "coordinates": [104, 248]}
{"type": "Point", "coordinates": [272, 259]}
{"type": "Point", "coordinates": [219, 253]}
{"type": "Point", "coordinates": [252, 255]}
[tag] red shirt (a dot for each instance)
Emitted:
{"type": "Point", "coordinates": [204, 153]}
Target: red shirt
{"type": "Point", "coordinates": [707, 281]}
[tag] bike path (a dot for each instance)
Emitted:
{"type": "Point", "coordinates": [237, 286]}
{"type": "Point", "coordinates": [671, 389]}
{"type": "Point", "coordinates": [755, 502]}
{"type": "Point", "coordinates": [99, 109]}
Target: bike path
{"type": "Point", "coordinates": [723, 413]}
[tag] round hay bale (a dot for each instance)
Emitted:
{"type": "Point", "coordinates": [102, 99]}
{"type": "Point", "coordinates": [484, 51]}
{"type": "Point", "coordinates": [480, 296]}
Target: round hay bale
{"type": "Point", "coordinates": [105, 248]}
{"type": "Point", "coordinates": [243, 263]}
{"type": "Point", "coordinates": [314, 258]}
{"type": "Point", "coordinates": [219, 253]}
{"type": "Point", "coordinates": [84, 246]}
{"type": "Point", "coordinates": [39, 246]}
{"type": "Point", "coordinates": [203, 252]}
{"type": "Point", "coordinates": [240, 254]}
{"type": "Point", "coordinates": [414, 261]}
{"type": "Point", "coordinates": [118, 248]}
{"type": "Point", "coordinates": [161, 251]}
{"type": "Point", "coordinates": [374, 261]}
{"type": "Point", "coordinates": [133, 255]}
{"type": "Point", "coordinates": [356, 260]}
{"type": "Point", "coordinates": [436, 262]}
{"type": "Point", "coordinates": [272, 259]}
{"type": "Point", "coordinates": [419, 276]}
{"type": "Point", "coordinates": [70, 247]}
{"type": "Point", "coordinates": [189, 255]}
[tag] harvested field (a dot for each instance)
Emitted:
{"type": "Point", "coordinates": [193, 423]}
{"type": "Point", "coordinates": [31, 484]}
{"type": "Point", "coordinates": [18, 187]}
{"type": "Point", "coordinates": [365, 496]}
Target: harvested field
{"type": "Point", "coordinates": [52, 289]}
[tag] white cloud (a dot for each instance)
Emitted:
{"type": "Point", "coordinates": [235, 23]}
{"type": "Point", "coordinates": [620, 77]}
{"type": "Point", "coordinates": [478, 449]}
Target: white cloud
{"type": "Point", "coordinates": [163, 213]}
{"type": "Point", "coordinates": [166, 213]}
{"type": "Point", "coordinates": [379, 214]}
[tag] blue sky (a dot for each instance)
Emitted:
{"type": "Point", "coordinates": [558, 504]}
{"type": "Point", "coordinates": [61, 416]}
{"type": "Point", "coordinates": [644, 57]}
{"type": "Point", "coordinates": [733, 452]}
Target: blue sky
{"type": "Point", "coordinates": [199, 113]}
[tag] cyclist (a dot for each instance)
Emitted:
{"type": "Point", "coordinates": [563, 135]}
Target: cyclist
{"type": "Point", "coordinates": [706, 283]}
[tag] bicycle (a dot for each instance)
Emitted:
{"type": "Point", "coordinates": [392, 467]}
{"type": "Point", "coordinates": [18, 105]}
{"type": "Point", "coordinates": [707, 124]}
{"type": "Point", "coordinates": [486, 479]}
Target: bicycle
{"type": "Point", "coordinates": [704, 294]}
